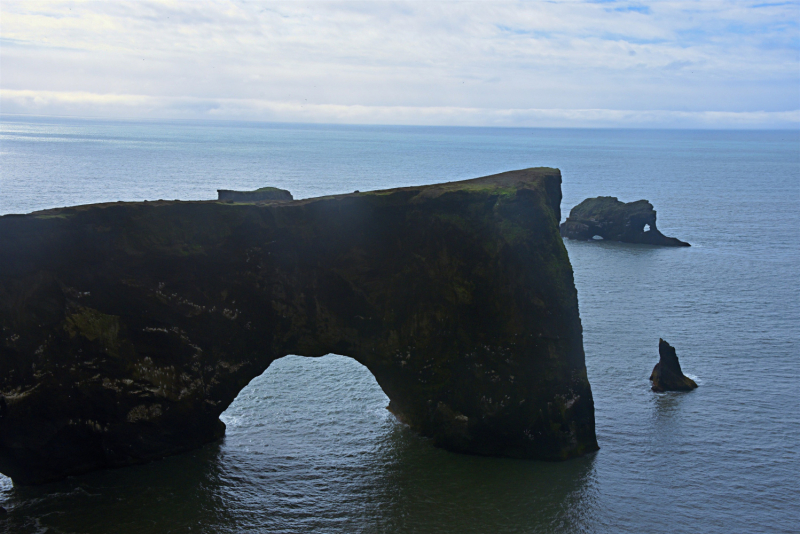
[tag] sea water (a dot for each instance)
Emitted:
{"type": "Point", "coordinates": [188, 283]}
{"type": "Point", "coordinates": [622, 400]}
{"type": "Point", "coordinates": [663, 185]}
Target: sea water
{"type": "Point", "coordinates": [310, 446]}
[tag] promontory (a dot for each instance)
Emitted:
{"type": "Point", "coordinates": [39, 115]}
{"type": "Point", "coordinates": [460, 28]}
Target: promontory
{"type": "Point", "coordinates": [126, 329]}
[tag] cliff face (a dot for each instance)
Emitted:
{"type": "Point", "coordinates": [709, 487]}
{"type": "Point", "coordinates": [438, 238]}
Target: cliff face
{"type": "Point", "coordinates": [128, 328]}
{"type": "Point", "coordinates": [618, 221]}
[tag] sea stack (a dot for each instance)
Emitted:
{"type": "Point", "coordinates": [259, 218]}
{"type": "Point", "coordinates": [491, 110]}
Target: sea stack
{"type": "Point", "coordinates": [608, 218]}
{"type": "Point", "coordinates": [667, 374]}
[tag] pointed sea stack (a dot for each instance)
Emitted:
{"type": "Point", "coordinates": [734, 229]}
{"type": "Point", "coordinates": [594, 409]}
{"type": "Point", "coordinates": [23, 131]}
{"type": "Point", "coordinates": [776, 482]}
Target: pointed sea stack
{"type": "Point", "coordinates": [667, 374]}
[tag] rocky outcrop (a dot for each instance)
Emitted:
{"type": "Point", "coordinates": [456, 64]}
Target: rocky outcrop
{"type": "Point", "coordinates": [128, 328]}
{"type": "Point", "coordinates": [667, 374]}
{"type": "Point", "coordinates": [263, 194]}
{"type": "Point", "coordinates": [607, 217]}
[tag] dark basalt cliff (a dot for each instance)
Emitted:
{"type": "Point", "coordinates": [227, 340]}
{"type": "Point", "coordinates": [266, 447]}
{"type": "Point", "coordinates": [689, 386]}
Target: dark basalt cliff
{"type": "Point", "coordinates": [128, 328]}
{"type": "Point", "coordinates": [617, 221]}
{"type": "Point", "coordinates": [667, 374]}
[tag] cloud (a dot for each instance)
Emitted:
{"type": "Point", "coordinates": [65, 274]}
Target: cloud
{"type": "Point", "coordinates": [83, 104]}
{"type": "Point", "coordinates": [370, 61]}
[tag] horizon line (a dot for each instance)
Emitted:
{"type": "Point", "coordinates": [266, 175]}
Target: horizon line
{"type": "Point", "coordinates": [223, 120]}
{"type": "Point", "coordinates": [88, 105]}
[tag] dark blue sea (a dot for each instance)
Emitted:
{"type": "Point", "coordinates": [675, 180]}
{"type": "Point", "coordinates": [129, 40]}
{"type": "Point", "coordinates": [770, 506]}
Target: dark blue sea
{"type": "Point", "coordinates": [310, 446]}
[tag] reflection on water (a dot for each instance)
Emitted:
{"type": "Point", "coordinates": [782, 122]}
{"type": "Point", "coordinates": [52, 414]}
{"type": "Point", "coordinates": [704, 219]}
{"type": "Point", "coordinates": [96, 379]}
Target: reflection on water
{"type": "Point", "coordinates": [436, 491]}
{"type": "Point", "coordinates": [310, 447]}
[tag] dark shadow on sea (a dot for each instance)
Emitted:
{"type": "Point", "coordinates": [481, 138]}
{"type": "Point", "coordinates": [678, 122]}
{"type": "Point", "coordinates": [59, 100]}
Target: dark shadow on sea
{"type": "Point", "coordinates": [420, 490]}
{"type": "Point", "coordinates": [431, 490]}
{"type": "Point", "coordinates": [401, 485]}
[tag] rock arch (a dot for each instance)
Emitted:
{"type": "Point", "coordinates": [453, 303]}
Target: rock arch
{"type": "Point", "coordinates": [128, 328]}
{"type": "Point", "coordinates": [607, 217]}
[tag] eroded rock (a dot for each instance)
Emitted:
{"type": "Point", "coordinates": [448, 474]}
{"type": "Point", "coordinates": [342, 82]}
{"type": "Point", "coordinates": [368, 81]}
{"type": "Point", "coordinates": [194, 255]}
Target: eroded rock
{"type": "Point", "coordinates": [667, 374]}
{"type": "Point", "coordinates": [608, 218]}
{"type": "Point", "coordinates": [126, 329]}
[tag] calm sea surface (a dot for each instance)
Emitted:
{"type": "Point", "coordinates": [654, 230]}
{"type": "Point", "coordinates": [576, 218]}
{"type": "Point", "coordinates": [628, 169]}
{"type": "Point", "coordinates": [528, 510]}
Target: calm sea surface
{"type": "Point", "coordinates": [310, 446]}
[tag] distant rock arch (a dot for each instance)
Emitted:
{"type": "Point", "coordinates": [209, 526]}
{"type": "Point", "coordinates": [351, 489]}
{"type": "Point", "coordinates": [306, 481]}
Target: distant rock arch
{"type": "Point", "coordinates": [607, 217]}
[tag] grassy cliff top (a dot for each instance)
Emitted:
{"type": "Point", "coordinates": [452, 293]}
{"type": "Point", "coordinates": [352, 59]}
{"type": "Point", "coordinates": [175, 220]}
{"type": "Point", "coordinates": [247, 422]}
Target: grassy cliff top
{"type": "Point", "coordinates": [506, 184]}
{"type": "Point", "coordinates": [505, 181]}
{"type": "Point", "coordinates": [259, 190]}
{"type": "Point", "coordinates": [545, 179]}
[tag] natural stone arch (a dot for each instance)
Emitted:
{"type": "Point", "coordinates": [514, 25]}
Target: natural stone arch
{"type": "Point", "coordinates": [128, 328]}
{"type": "Point", "coordinates": [332, 387]}
{"type": "Point", "coordinates": [607, 217]}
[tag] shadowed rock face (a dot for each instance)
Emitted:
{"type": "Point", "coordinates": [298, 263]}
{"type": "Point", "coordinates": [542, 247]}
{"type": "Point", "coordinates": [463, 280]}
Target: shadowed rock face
{"type": "Point", "coordinates": [128, 328]}
{"type": "Point", "coordinates": [667, 374]}
{"type": "Point", "coordinates": [611, 219]}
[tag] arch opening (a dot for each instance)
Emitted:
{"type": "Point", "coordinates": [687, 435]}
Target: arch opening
{"type": "Point", "coordinates": [646, 228]}
{"type": "Point", "coordinates": [312, 403]}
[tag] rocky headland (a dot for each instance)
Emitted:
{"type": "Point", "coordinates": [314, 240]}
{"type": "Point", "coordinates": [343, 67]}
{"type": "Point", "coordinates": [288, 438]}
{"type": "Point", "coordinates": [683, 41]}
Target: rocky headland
{"type": "Point", "coordinates": [607, 217]}
{"type": "Point", "coordinates": [667, 374]}
{"type": "Point", "coordinates": [126, 329]}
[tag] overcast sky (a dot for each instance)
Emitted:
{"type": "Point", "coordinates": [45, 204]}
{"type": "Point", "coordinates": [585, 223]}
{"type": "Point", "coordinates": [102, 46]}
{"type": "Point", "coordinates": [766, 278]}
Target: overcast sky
{"type": "Point", "coordinates": [708, 63]}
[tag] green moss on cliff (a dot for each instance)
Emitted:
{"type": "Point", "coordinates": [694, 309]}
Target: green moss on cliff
{"type": "Point", "coordinates": [58, 215]}
{"type": "Point", "coordinates": [94, 325]}
{"type": "Point", "coordinates": [264, 189]}
{"type": "Point", "coordinates": [512, 232]}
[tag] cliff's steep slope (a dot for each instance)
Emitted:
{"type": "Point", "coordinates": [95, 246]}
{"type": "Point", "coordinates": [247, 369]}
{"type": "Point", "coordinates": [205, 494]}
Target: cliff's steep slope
{"type": "Point", "coordinates": [128, 328]}
{"type": "Point", "coordinates": [632, 222]}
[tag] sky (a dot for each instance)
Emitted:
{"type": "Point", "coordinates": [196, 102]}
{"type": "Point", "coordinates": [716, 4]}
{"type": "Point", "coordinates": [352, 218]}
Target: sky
{"type": "Point", "coordinates": [664, 64]}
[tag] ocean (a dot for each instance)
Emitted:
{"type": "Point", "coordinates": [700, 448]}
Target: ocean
{"type": "Point", "coordinates": [310, 446]}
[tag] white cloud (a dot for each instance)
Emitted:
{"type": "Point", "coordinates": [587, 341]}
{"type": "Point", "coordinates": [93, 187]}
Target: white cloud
{"type": "Point", "coordinates": [83, 104]}
{"type": "Point", "coordinates": [418, 62]}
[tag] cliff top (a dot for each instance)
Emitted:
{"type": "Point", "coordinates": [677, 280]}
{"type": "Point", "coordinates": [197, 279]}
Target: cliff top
{"type": "Point", "coordinates": [506, 183]}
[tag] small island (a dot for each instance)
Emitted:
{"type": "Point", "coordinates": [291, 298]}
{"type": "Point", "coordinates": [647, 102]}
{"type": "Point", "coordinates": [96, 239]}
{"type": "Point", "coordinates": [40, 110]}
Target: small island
{"type": "Point", "coordinates": [608, 218]}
